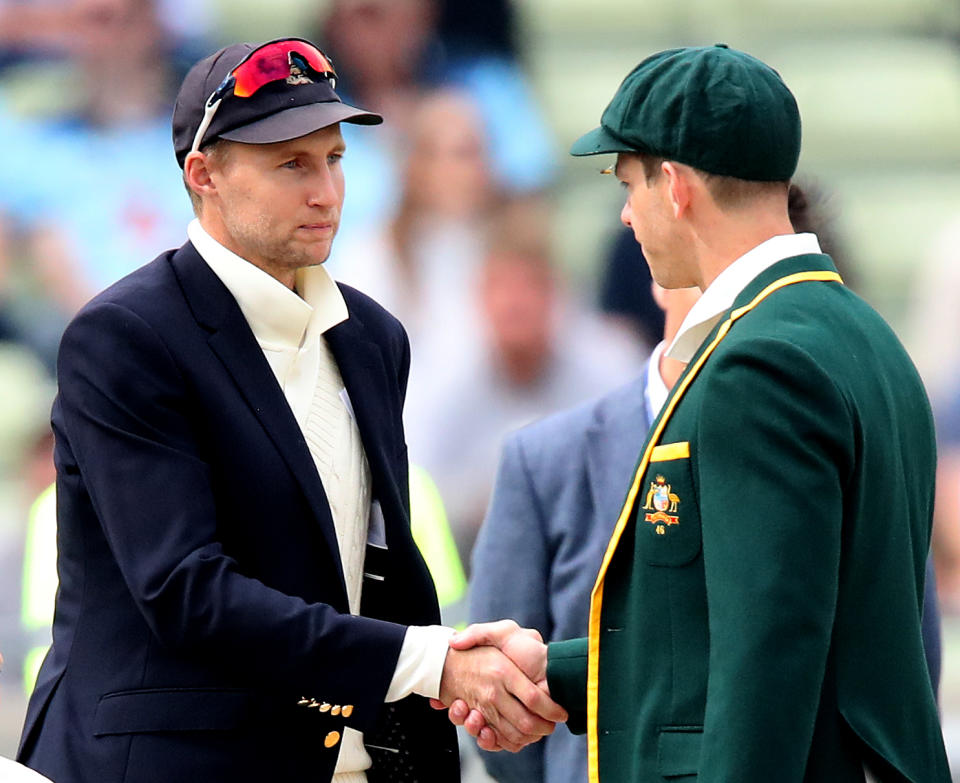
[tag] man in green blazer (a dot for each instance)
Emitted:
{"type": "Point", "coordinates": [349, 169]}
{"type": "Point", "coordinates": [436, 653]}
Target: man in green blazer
{"type": "Point", "coordinates": [756, 618]}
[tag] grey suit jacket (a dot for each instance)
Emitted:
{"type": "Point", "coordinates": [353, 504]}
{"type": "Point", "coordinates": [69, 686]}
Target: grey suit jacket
{"type": "Point", "coordinates": [559, 489]}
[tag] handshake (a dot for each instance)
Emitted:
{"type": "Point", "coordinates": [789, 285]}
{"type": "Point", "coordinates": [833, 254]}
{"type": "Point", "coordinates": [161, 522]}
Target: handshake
{"type": "Point", "coordinates": [494, 684]}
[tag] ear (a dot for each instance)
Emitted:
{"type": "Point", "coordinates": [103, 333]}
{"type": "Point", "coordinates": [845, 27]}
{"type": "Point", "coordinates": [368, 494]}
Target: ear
{"type": "Point", "coordinates": [198, 175]}
{"type": "Point", "coordinates": [678, 187]}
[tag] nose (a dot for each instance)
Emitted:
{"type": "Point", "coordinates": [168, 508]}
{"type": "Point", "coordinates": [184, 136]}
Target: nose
{"type": "Point", "coordinates": [324, 190]}
{"type": "Point", "coordinates": [625, 215]}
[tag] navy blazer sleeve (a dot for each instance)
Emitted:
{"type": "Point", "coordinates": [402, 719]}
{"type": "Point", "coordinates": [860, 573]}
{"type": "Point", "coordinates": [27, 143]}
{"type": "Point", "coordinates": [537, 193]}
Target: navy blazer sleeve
{"type": "Point", "coordinates": [126, 414]}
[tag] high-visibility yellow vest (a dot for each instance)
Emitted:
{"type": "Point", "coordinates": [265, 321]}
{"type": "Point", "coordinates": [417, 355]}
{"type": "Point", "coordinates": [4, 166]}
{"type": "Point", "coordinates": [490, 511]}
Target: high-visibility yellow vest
{"type": "Point", "coordinates": [40, 580]}
{"type": "Point", "coordinates": [432, 534]}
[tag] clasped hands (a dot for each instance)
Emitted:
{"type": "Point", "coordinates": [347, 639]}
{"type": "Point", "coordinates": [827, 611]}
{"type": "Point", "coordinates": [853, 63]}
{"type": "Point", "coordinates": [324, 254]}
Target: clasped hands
{"type": "Point", "coordinates": [494, 684]}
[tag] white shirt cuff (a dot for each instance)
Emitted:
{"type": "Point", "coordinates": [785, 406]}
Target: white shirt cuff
{"type": "Point", "coordinates": [420, 665]}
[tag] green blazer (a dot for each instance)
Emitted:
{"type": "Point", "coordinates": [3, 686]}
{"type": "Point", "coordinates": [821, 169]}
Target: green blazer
{"type": "Point", "coordinates": [757, 615]}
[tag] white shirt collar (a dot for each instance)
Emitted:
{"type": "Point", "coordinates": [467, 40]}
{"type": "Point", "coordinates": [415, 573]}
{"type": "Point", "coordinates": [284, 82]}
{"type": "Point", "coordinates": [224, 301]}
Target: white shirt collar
{"type": "Point", "coordinates": [655, 394]}
{"type": "Point", "coordinates": [277, 315]}
{"type": "Point", "coordinates": [723, 291]}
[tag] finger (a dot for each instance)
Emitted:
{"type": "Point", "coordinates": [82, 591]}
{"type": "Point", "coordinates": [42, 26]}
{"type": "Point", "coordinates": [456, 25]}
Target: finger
{"type": "Point", "coordinates": [502, 743]}
{"type": "Point", "coordinates": [519, 725]}
{"type": "Point", "coordinates": [486, 736]}
{"type": "Point", "coordinates": [534, 699]}
{"type": "Point", "coordinates": [533, 633]}
{"type": "Point", "coordinates": [504, 710]}
{"type": "Point", "coordinates": [504, 715]}
{"type": "Point", "coordinates": [487, 740]}
{"type": "Point", "coordinates": [437, 704]}
{"type": "Point", "coordinates": [483, 633]}
{"type": "Point", "coordinates": [474, 723]}
{"type": "Point", "coordinates": [511, 720]}
{"type": "Point", "coordinates": [459, 711]}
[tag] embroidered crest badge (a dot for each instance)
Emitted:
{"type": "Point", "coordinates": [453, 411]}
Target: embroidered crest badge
{"type": "Point", "coordinates": [661, 500]}
{"type": "Point", "coordinates": [299, 69]}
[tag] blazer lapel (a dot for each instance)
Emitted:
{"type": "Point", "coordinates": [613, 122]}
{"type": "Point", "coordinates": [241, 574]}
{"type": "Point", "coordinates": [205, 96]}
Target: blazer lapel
{"type": "Point", "coordinates": [365, 378]}
{"type": "Point", "coordinates": [234, 344]}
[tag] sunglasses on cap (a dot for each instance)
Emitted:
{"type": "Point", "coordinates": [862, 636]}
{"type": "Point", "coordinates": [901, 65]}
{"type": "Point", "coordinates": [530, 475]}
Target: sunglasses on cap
{"type": "Point", "coordinates": [287, 59]}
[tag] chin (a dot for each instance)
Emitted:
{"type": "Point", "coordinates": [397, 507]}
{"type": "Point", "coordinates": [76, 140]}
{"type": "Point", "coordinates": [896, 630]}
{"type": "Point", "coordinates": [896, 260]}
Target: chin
{"type": "Point", "coordinates": [314, 255]}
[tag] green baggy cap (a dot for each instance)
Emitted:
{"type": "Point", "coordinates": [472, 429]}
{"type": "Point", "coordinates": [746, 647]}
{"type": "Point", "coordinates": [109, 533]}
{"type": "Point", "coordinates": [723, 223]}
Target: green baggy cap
{"type": "Point", "coordinates": [714, 108]}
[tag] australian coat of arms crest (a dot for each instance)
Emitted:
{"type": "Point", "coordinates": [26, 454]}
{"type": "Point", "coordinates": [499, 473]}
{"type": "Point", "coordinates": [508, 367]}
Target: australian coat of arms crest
{"type": "Point", "coordinates": [661, 501]}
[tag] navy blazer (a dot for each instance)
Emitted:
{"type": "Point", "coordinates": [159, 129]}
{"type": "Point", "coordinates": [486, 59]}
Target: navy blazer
{"type": "Point", "coordinates": [559, 489]}
{"type": "Point", "coordinates": [202, 629]}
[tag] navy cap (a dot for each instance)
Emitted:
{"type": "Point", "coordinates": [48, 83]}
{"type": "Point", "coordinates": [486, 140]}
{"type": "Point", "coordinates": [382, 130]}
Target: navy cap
{"type": "Point", "coordinates": [278, 111]}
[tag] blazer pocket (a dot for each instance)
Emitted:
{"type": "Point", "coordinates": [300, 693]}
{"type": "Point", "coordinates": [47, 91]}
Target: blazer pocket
{"type": "Point", "coordinates": [171, 709]}
{"type": "Point", "coordinates": [678, 751]}
{"type": "Point", "coordinates": [668, 518]}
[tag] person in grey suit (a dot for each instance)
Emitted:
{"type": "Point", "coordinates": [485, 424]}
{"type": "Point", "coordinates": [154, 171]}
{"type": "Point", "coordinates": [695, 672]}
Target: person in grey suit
{"type": "Point", "coordinates": [558, 492]}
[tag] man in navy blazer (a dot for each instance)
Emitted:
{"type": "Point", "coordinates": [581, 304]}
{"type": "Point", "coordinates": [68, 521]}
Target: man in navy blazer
{"type": "Point", "coordinates": [240, 596]}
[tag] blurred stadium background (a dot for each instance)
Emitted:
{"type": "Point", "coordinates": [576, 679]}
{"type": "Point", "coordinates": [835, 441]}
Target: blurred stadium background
{"type": "Point", "coordinates": [878, 84]}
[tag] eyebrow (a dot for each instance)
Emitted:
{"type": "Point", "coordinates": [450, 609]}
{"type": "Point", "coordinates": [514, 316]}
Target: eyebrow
{"type": "Point", "coordinates": [293, 151]}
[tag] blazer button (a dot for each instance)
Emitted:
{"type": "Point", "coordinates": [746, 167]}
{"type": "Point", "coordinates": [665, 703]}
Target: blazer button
{"type": "Point", "coordinates": [331, 739]}
{"type": "Point", "coordinates": [347, 710]}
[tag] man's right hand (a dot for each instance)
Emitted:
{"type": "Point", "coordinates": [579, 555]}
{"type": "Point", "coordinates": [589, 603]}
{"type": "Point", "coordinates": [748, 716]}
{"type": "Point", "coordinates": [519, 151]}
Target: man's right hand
{"type": "Point", "coordinates": [528, 653]}
{"type": "Point", "coordinates": [481, 679]}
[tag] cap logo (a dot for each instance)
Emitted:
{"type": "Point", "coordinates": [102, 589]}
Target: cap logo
{"type": "Point", "coordinates": [298, 69]}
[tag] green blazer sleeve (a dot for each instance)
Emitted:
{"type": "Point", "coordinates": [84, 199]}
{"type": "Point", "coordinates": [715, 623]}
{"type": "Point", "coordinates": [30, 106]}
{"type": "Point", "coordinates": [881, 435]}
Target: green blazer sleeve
{"type": "Point", "coordinates": [567, 680]}
{"type": "Point", "coordinates": [771, 554]}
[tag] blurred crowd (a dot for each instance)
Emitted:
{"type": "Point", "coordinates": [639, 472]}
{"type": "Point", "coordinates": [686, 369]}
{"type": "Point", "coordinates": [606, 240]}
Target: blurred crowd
{"type": "Point", "coordinates": [447, 223]}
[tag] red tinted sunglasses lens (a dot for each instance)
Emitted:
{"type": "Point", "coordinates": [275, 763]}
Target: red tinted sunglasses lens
{"type": "Point", "coordinates": [272, 63]}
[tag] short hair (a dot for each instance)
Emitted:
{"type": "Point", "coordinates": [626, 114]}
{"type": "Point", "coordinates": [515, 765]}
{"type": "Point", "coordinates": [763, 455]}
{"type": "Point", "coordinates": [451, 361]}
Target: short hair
{"type": "Point", "coordinates": [216, 151]}
{"type": "Point", "coordinates": [732, 193]}
{"type": "Point", "coordinates": [651, 165]}
{"type": "Point", "coordinates": [729, 193]}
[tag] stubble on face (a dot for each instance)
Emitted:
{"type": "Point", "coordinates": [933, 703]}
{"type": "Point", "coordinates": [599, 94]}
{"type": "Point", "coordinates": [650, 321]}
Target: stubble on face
{"type": "Point", "coordinates": [278, 205]}
{"type": "Point", "coordinates": [270, 246]}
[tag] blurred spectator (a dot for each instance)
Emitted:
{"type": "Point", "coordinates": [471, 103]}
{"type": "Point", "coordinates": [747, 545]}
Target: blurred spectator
{"type": "Point", "coordinates": [31, 30]}
{"type": "Point", "coordinates": [935, 304]}
{"type": "Point", "coordinates": [25, 290]}
{"type": "Point", "coordinates": [484, 29]}
{"type": "Point", "coordinates": [25, 465]}
{"type": "Point", "coordinates": [388, 54]}
{"type": "Point", "coordinates": [8, 330]}
{"type": "Point", "coordinates": [625, 295]}
{"type": "Point", "coordinates": [934, 307]}
{"type": "Point", "coordinates": [28, 28]}
{"type": "Point", "coordinates": [540, 354]}
{"type": "Point", "coordinates": [812, 209]}
{"type": "Point", "coordinates": [95, 187]}
{"type": "Point", "coordinates": [423, 265]}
